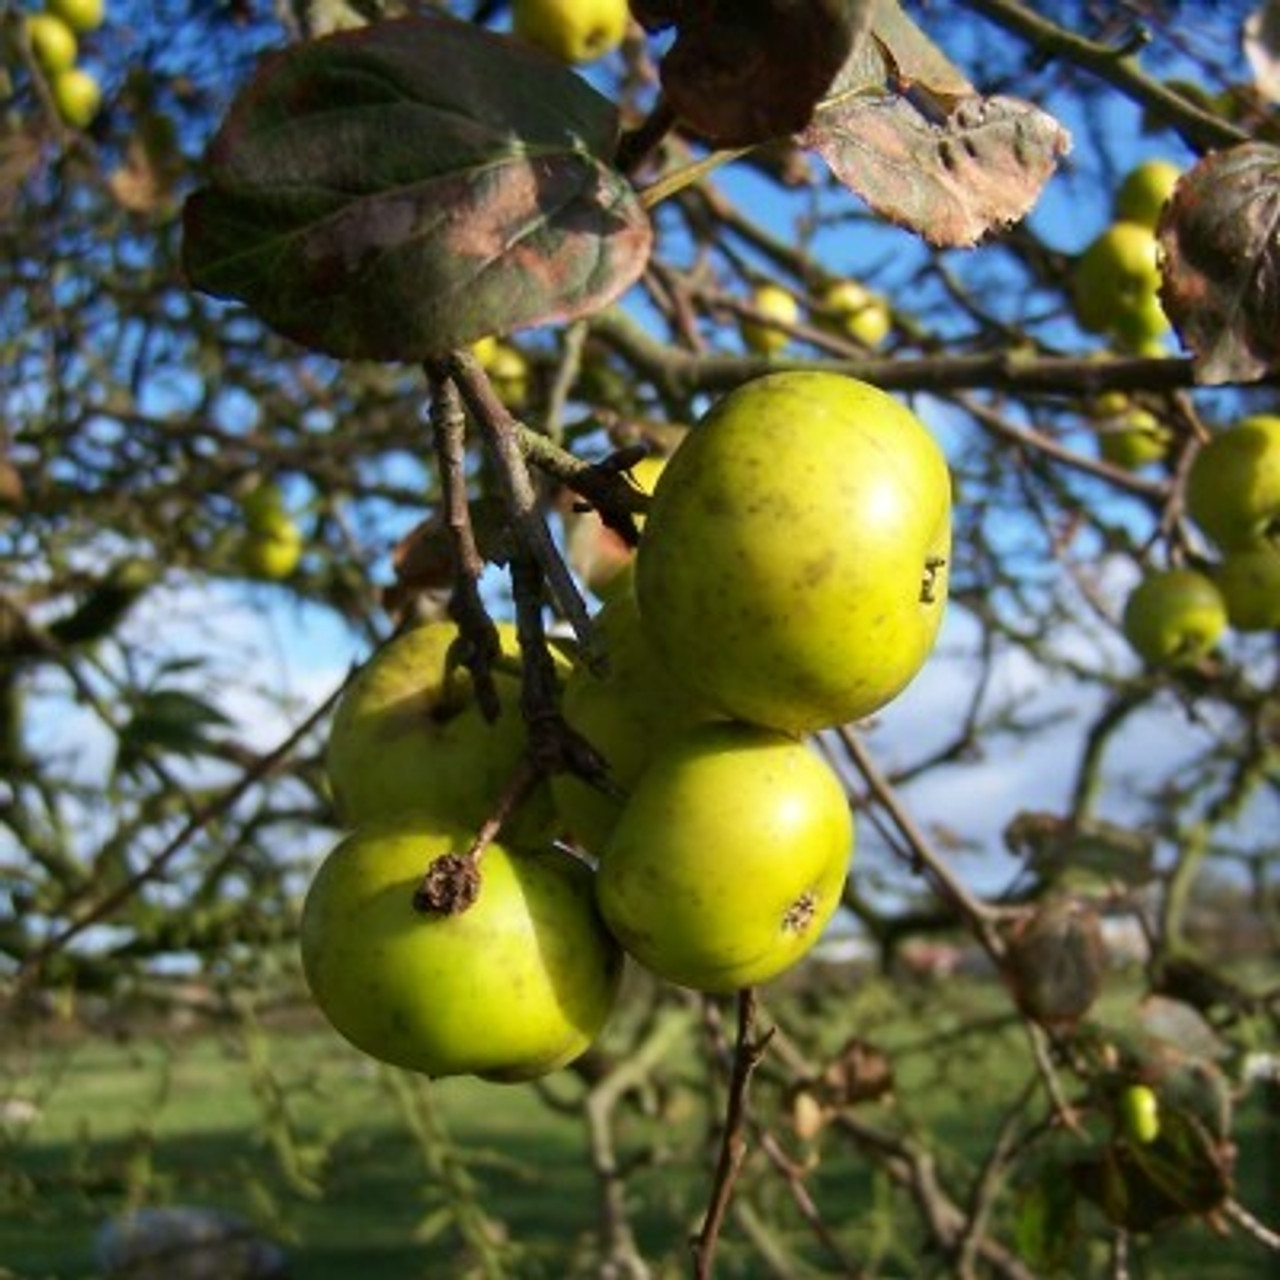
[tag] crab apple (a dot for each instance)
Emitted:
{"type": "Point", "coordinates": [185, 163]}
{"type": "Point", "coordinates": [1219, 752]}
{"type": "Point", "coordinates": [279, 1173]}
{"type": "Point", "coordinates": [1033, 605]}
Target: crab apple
{"type": "Point", "coordinates": [1115, 285]}
{"type": "Point", "coordinates": [409, 735]}
{"type": "Point", "coordinates": [571, 30]}
{"type": "Point", "coordinates": [628, 714]}
{"type": "Point", "coordinates": [1174, 617]}
{"type": "Point", "coordinates": [1145, 191]}
{"type": "Point", "coordinates": [1233, 485]}
{"type": "Point", "coordinates": [793, 569]}
{"type": "Point", "coordinates": [1249, 580]}
{"type": "Point", "coordinates": [53, 43]}
{"type": "Point", "coordinates": [515, 985]}
{"type": "Point", "coordinates": [774, 303]}
{"type": "Point", "coordinates": [77, 95]}
{"type": "Point", "coordinates": [852, 310]}
{"type": "Point", "coordinates": [729, 858]}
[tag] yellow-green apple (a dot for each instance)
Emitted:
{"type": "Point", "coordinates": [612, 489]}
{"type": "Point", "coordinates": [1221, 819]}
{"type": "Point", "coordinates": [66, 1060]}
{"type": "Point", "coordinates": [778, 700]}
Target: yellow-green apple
{"type": "Point", "coordinates": [514, 986]}
{"type": "Point", "coordinates": [1233, 485]}
{"type": "Point", "coordinates": [850, 309]}
{"type": "Point", "coordinates": [774, 303]}
{"type": "Point", "coordinates": [729, 858]}
{"type": "Point", "coordinates": [272, 548]}
{"type": "Point", "coordinates": [793, 569]}
{"type": "Point", "coordinates": [628, 714]}
{"type": "Point", "coordinates": [1174, 617]}
{"type": "Point", "coordinates": [1129, 435]}
{"type": "Point", "coordinates": [77, 95]}
{"type": "Point", "coordinates": [1115, 285]}
{"type": "Point", "coordinates": [408, 735]}
{"type": "Point", "coordinates": [1249, 580]}
{"type": "Point", "coordinates": [1145, 191]}
{"type": "Point", "coordinates": [53, 43]}
{"type": "Point", "coordinates": [508, 370]}
{"type": "Point", "coordinates": [1139, 1113]}
{"type": "Point", "coordinates": [571, 30]}
{"type": "Point", "coordinates": [79, 15]}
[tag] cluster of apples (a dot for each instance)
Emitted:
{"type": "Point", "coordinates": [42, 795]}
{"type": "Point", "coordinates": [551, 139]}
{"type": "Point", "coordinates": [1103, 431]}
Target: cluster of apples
{"type": "Point", "coordinates": [846, 308]}
{"type": "Point", "coordinates": [54, 34]}
{"type": "Point", "coordinates": [270, 543]}
{"type": "Point", "coordinates": [1232, 493]}
{"type": "Point", "coordinates": [791, 576]}
{"type": "Point", "coordinates": [1116, 280]}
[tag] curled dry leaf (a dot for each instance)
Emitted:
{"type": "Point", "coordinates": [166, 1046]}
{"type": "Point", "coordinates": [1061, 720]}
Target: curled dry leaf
{"type": "Point", "coordinates": [1221, 263]}
{"type": "Point", "coordinates": [1055, 962]}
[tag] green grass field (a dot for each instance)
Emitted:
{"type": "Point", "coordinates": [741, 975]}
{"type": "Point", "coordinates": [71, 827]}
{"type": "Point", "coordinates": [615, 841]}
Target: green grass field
{"type": "Point", "coordinates": [371, 1175]}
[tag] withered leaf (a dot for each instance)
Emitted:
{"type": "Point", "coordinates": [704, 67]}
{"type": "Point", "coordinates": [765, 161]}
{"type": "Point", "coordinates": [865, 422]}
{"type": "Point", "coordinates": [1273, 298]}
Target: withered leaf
{"type": "Point", "coordinates": [396, 192]}
{"type": "Point", "coordinates": [746, 71]}
{"type": "Point", "coordinates": [1221, 263]}
{"type": "Point", "coordinates": [952, 172]}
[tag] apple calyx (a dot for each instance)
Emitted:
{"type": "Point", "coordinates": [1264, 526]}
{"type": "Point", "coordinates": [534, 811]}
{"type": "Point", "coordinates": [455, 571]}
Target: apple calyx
{"type": "Point", "coordinates": [450, 886]}
{"type": "Point", "coordinates": [933, 566]}
{"type": "Point", "coordinates": [800, 914]}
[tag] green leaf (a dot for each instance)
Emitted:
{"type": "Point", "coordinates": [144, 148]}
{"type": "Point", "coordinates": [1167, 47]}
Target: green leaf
{"type": "Point", "coordinates": [1045, 1223]}
{"type": "Point", "coordinates": [167, 721]}
{"type": "Point", "coordinates": [399, 191]}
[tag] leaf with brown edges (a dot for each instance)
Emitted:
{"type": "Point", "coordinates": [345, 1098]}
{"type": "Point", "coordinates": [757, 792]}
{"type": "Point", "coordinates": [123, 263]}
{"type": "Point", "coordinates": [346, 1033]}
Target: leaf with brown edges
{"type": "Point", "coordinates": [1220, 242]}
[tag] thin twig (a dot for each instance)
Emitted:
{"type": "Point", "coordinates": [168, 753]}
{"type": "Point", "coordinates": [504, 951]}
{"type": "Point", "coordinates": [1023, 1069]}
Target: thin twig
{"type": "Point", "coordinates": [748, 1052]}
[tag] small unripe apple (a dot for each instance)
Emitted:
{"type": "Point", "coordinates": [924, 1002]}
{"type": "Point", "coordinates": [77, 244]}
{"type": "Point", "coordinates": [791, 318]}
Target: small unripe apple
{"type": "Point", "coordinates": [729, 858]}
{"type": "Point", "coordinates": [1174, 617]}
{"type": "Point", "coordinates": [852, 310]}
{"type": "Point", "coordinates": [53, 43]}
{"type": "Point", "coordinates": [773, 302]}
{"type": "Point", "coordinates": [77, 96]}
{"type": "Point", "coordinates": [508, 370]}
{"type": "Point", "coordinates": [79, 15]}
{"type": "Point", "coordinates": [793, 568]}
{"type": "Point", "coordinates": [571, 30]}
{"type": "Point", "coordinates": [1140, 1114]}
{"type": "Point", "coordinates": [272, 550]}
{"type": "Point", "coordinates": [1115, 285]}
{"type": "Point", "coordinates": [1233, 485]}
{"type": "Point", "coordinates": [1145, 191]}
{"type": "Point", "coordinates": [1249, 580]}
{"type": "Point", "coordinates": [1129, 436]}
{"type": "Point", "coordinates": [518, 983]}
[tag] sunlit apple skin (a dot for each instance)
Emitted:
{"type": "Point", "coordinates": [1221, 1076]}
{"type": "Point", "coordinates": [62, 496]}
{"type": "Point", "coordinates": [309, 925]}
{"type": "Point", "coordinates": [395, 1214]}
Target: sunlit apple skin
{"type": "Point", "coordinates": [515, 986]}
{"type": "Point", "coordinates": [1249, 580]}
{"type": "Point", "coordinates": [628, 714]}
{"type": "Point", "coordinates": [409, 736]}
{"type": "Point", "coordinates": [1145, 191]}
{"type": "Point", "coordinates": [1140, 1114]}
{"type": "Point", "coordinates": [729, 859]}
{"type": "Point", "coordinates": [571, 30]}
{"type": "Point", "coordinates": [1115, 285]}
{"type": "Point", "coordinates": [776, 303]}
{"type": "Point", "coordinates": [53, 43]}
{"type": "Point", "coordinates": [1233, 485]}
{"type": "Point", "coordinates": [1174, 617]}
{"type": "Point", "coordinates": [854, 311]}
{"type": "Point", "coordinates": [80, 15]}
{"type": "Point", "coordinates": [793, 569]}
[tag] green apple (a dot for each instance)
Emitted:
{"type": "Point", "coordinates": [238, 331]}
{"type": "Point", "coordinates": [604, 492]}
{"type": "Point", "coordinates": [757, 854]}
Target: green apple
{"type": "Point", "coordinates": [628, 714]}
{"type": "Point", "coordinates": [516, 985]}
{"type": "Point", "coordinates": [793, 569]}
{"type": "Point", "coordinates": [1139, 1114]}
{"type": "Point", "coordinates": [507, 368]}
{"type": "Point", "coordinates": [272, 550]}
{"type": "Point", "coordinates": [1129, 436]}
{"type": "Point", "coordinates": [53, 43]}
{"type": "Point", "coordinates": [1174, 617]}
{"type": "Point", "coordinates": [600, 556]}
{"type": "Point", "coordinates": [77, 96]}
{"type": "Point", "coordinates": [729, 858]}
{"type": "Point", "coordinates": [1249, 580]}
{"type": "Point", "coordinates": [1115, 285]}
{"type": "Point", "coordinates": [774, 303]}
{"type": "Point", "coordinates": [571, 30]}
{"type": "Point", "coordinates": [409, 736]}
{"type": "Point", "coordinates": [79, 15]}
{"type": "Point", "coordinates": [1233, 485]}
{"type": "Point", "coordinates": [1145, 191]}
{"type": "Point", "coordinates": [851, 310]}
